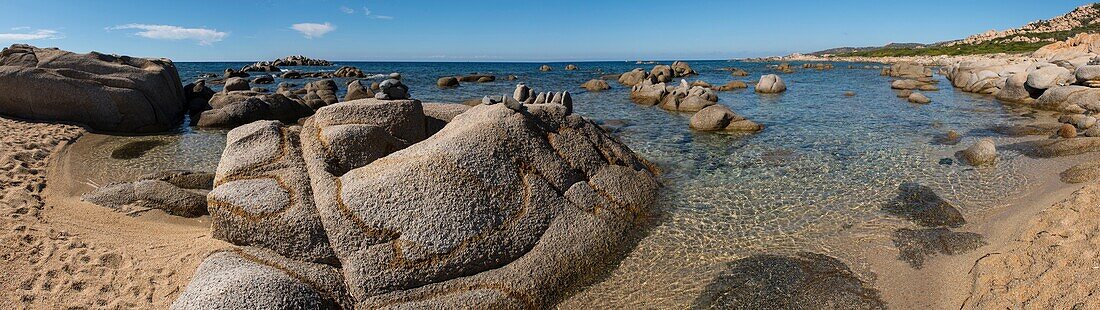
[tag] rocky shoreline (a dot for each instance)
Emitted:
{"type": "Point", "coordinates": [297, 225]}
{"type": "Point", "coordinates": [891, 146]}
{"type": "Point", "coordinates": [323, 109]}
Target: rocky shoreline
{"type": "Point", "coordinates": [329, 202]}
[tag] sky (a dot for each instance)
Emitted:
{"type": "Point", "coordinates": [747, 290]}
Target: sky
{"type": "Point", "coordinates": [497, 30]}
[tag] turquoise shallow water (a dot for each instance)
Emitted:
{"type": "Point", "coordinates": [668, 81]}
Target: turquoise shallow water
{"type": "Point", "coordinates": [821, 170]}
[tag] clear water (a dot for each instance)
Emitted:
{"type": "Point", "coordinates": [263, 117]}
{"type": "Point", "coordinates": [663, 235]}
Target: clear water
{"type": "Point", "coordinates": [822, 169]}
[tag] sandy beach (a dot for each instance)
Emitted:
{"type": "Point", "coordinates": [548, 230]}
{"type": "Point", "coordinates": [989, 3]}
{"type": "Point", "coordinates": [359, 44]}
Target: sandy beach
{"type": "Point", "coordinates": [59, 252]}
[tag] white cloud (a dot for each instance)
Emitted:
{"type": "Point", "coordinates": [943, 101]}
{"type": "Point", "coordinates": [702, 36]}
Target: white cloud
{"type": "Point", "coordinates": [166, 32]}
{"type": "Point", "coordinates": [40, 34]}
{"type": "Point", "coordinates": [347, 10]}
{"type": "Point", "coordinates": [386, 17]}
{"type": "Point", "coordinates": [312, 30]}
{"type": "Point", "coordinates": [366, 11]}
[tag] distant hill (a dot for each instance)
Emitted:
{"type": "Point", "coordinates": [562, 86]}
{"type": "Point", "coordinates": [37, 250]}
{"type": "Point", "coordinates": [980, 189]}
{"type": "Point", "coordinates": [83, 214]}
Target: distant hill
{"type": "Point", "coordinates": [1025, 39]}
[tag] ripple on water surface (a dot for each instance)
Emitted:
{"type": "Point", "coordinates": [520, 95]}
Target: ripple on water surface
{"type": "Point", "coordinates": [823, 168]}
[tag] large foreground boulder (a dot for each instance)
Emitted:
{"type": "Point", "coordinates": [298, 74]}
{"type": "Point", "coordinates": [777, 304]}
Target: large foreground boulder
{"type": "Point", "coordinates": [253, 278]}
{"type": "Point", "coordinates": [534, 201]}
{"type": "Point", "coordinates": [262, 195]}
{"type": "Point", "coordinates": [105, 92]}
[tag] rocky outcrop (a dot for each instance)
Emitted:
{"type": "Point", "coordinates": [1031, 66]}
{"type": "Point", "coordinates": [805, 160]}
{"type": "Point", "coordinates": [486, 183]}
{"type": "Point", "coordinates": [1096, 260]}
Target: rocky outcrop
{"type": "Point", "coordinates": [357, 91]}
{"type": "Point", "coordinates": [528, 197]}
{"type": "Point", "coordinates": [392, 89]}
{"type": "Point", "coordinates": [732, 85]}
{"type": "Point", "coordinates": [570, 67]}
{"type": "Point", "coordinates": [300, 60]}
{"type": "Point", "coordinates": [179, 193]}
{"type": "Point", "coordinates": [255, 278]}
{"type": "Point", "coordinates": [348, 72]}
{"type": "Point", "coordinates": [242, 107]}
{"type": "Point", "coordinates": [682, 69]}
{"type": "Point", "coordinates": [721, 118]}
{"type": "Point", "coordinates": [262, 195]}
{"type": "Point", "coordinates": [634, 77]}
{"type": "Point", "coordinates": [262, 66]}
{"type": "Point", "coordinates": [908, 70]}
{"type": "Point", "coordinates": [919, 98]}
{"type": "Point", "coordinates": [320, 93]}
{"type": "Point", "coordinates": [770, 84]}
{"type": "Point", "coordinates": [545, 68]}
{"type": "Point", "coordinates": [105, 92]}
{"type": "Point", "coordinates": [595, 85]}
{"type": "Point", "coordinates": [447, 81]}
{"type": "Point", "coordinates": [477, 77]}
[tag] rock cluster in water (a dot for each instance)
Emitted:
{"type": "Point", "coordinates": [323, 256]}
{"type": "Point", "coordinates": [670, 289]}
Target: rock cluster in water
{"type": "Point", "coordinates": [924, 207]}
{"type": "Point", "coordinates": [394, 203]}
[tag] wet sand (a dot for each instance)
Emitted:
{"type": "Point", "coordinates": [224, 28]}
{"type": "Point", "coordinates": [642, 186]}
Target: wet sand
{"type": "Point", "coordinates": [59, 252]}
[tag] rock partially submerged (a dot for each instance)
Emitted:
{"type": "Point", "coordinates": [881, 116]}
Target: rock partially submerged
{"type": "Point", "coordinates": [984, 152]}
{"type": "Point", "coordinates": [105, 92]}
{"type": "Point", "coordinates": [803, 281]}
{"type": "Point", "coordinates": [721, 118]}
{"type": "Point", "coordinates": [770, 84]}
{"type": "Point", "coordinates": [915, 246]}
{"type": "Point", "coordinates": [595, 85]}
{"type": "Point", "coordinates": [921, 204]}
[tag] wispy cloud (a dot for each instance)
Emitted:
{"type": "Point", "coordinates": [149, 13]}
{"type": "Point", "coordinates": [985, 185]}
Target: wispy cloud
{"type": "Point", "coordinates": [22, 35]}
{"type": "Point", "coordinates": [347, 10]}
{"type": "Point", "coordinates": [313, 30]}
{"type": "Point", "coordinates": [368, 12]}
{"type": "Point", "coordinates": [167, 32]}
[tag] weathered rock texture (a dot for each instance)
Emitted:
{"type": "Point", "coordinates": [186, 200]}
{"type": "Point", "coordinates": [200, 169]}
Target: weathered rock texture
{"type": "Point", "coordinates": [105, 92]}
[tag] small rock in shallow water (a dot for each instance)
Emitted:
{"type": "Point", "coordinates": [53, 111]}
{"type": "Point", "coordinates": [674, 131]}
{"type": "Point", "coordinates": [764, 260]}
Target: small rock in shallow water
{"type": "Point", "coordinates": [135, 149]}
{"type": "Point", "coordinates": [951, 137]}
{"type": "Point", "coordinates": [946, 161]}
{"type": "Point", "coordinates": [921, 204]}
{"type": "Point", "coordinates": [804, 281]}
{"type": "Point", "coordinates": [982, 153]}
{"type": "Point", "coordinates": [918, 245]}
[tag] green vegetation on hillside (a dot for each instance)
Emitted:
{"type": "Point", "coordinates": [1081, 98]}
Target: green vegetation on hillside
{"type": "Point", "coordinates": [967, 49]}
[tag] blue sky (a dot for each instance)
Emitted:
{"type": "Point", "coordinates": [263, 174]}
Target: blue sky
{"type": "Point", "coordinates": [496, 30]}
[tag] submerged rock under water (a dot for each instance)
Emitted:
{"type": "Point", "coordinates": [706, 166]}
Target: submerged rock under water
{"type": "Point", "coordinates": [915, 246]}
{"type": "Point", "coordinates": [921, 204]}
{"type": "Point", "coordinates": [804, 281]}
{"type": "Point", "coordinates": [136, 149]}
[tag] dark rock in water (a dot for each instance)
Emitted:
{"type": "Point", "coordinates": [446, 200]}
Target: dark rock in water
{"type": "Point", "coordinates": [292, 75]}
{"type": "Point", "coordinates": [920, 204]}
{"type": "Point", "coordinates": [135, 149]}
{"type": "Point", "coordinates": [392, 89]}
{"type": "Point", "coordinates": [804, 281]}
{"type": "Point", "coordinates": [946, 161]}
{"type": "Point", "coordinates": [264, 79]}
{"type": "Point", "coordinates": [255, 278]}
{"type": "Point", "coordinates": [918, 245]}
{"type": "Point", "coordinates": [230, 73]}
{"type": "Point", "coordinates": [447, 81]}
{"type": "Point", "coordinates": [299, 60]}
